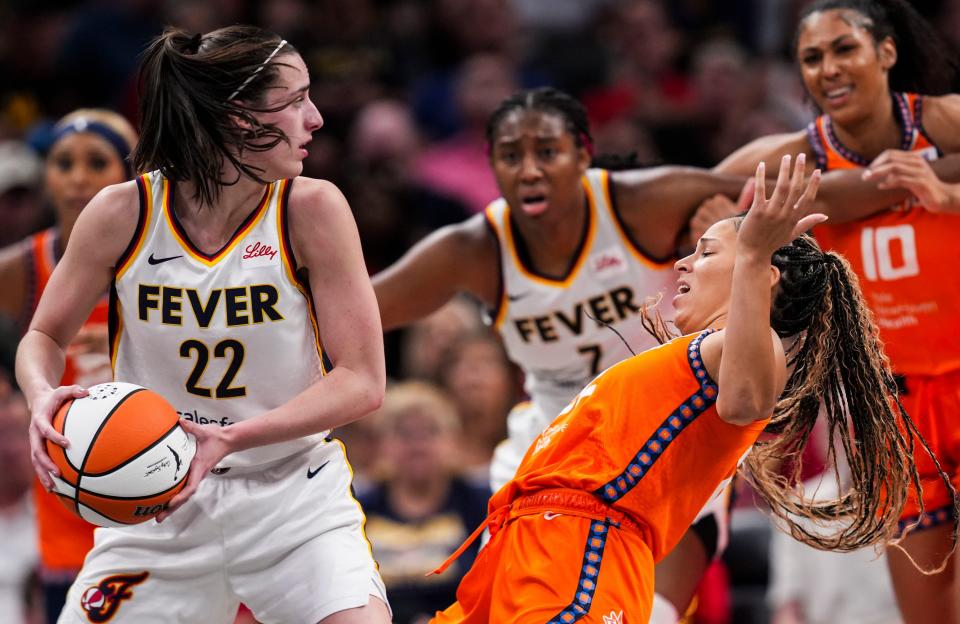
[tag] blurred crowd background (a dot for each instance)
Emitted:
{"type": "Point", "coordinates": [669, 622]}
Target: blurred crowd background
{"type": "Point", "coordinates": [405, 87]}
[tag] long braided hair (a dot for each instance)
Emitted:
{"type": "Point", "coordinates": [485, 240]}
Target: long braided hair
{"type": "Point", "coordinates": [839, 364]}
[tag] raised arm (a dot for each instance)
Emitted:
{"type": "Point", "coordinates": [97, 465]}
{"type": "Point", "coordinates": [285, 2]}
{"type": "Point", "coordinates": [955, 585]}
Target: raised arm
{"type": "Point", "coordinates": [751, 371]}
{"type": "Point", "coordinates": [656, 204]}
{"type": "Point", "coordinates": [83, 275]}
{"type": "Point", "coordinates": [454, 259]}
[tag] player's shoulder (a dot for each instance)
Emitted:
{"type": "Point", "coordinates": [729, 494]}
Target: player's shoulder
{"type": "Point", "coordinates": [941, 115]}
{"type": "Point", "coordinates": [767, 148]}
{"type": "Point", "coordinates": [115, 210]}
{"type": "Point", "coordinates": [314, 195]}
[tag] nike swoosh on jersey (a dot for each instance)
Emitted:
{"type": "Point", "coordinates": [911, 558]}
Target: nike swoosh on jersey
{"type": "Point", "coordinates": [312, 473]}
{"type": "Point", "coordinates": [153, 260]}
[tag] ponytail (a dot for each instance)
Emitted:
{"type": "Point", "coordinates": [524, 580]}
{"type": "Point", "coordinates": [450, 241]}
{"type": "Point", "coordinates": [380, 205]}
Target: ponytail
{"type": "Point", "coordinates": [191, 127]}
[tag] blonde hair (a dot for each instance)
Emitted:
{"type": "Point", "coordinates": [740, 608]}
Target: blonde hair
{"type": "Point", "coordinates": [417, 396]}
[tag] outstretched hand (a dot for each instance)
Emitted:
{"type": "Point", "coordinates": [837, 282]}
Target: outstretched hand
{"type": "Point", "coordinates": [772, 223]}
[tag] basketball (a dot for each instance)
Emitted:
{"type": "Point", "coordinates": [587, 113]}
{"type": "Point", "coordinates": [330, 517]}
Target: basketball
{"type": "Point", "coordinates": [128, 455]}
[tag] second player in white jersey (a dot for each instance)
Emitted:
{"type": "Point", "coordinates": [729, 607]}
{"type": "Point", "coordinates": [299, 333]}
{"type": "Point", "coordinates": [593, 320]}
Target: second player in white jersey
{"type": "Point", "coordinates": [565, 243]}
{"type": "Point", "coordinates": [559, 329]}
{"type": "Point", "coordinates": [238, 324]}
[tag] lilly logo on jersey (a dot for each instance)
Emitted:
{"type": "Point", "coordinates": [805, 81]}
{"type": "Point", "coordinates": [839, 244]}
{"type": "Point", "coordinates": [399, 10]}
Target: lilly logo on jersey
{"type": "Point", "coordinates": [258, 254]}
{"type": "Point", "coordinates": [608, 263]}
{"type": "Point", "coordinates": [103, 599]}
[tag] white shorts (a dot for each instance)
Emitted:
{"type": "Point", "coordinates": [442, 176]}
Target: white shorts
{"type": "Point", "coordinates": [289, 545]}
{"type": "Point", "coordinates": [526, 421]}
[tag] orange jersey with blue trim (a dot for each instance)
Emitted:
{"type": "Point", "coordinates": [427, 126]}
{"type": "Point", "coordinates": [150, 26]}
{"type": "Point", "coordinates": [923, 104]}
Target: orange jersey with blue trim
{"type": "Point", "coordinates": [645, 438]}
{"type": "Point", "coordinates": [64, 538]}
{"type": "Point", "coordinates": [904, 256]}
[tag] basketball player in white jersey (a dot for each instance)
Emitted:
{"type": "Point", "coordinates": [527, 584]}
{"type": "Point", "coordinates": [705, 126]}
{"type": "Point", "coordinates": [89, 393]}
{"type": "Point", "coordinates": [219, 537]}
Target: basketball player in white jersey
{"type": "Point", "coordinates": [233, 282]}
{"type": "Point", "coordinates": [567, 253]}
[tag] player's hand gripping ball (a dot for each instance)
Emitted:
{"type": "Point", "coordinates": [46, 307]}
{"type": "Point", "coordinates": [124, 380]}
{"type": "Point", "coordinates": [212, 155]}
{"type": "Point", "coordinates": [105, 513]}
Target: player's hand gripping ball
{"type": "Point", "coordinates": [128, 455]}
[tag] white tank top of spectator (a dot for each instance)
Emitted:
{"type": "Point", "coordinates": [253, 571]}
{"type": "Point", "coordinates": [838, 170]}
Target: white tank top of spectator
{"type": "Point", "coordinates": [226, 336]}
{"type": "Point", "coordinates": [552, 327]}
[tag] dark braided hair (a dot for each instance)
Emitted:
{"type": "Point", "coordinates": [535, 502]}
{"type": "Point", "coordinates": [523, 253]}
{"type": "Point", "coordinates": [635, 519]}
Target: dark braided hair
{"type": "Point", "coordinates": [924, 61]}
{"type": "Point", "coordinates": [190, 124]}
{"type": "Point", "coordinates": [546, 99]}
{"type": "Point", "coordinates": [839, 364]}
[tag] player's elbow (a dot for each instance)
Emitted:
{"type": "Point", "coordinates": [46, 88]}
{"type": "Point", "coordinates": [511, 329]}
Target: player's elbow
{"type": "Point", "coordinates": [744, 407]}
{"type": "Point", "coordinates": [371, 392]}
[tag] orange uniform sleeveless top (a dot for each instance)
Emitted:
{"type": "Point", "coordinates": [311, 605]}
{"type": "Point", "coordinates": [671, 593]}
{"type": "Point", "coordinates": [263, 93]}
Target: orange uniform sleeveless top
{"type": "Point", "coordinates": [645, 438]}
{"type": "Point", "coordinates": [64, 538]}
{"type": "Point", "coordinates": [904, 256]}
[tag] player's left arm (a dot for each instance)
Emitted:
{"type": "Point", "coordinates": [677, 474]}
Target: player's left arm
{"type": "Point", "coordinates": [325, 243]}
{"type": "Point", "coordinates": [656, 204]}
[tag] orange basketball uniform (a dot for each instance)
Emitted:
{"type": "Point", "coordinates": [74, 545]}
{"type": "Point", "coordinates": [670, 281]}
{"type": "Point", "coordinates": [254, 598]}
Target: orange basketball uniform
{"type": "Point", "coordinates": [904, 258]}
{"type": "Point", "coordinates": [64, 538]}
{"type": "Point", "coordinates": [606, 491]}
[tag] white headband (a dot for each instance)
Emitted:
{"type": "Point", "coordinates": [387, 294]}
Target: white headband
{"type": "Point", "coordinates": [257, 70]}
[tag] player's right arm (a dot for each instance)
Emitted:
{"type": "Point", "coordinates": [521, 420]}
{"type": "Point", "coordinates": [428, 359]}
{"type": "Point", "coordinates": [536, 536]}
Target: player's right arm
{"type": "Point", "coordinates": [459, 258]}
{"type": "Point", "coordinates": [100, 236]}
{"type": "Point", "coordinates": [746, 357]}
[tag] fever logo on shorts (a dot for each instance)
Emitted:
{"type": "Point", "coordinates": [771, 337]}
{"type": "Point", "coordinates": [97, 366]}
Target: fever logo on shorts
{"type": "Point", "coordinates": [103, 599]}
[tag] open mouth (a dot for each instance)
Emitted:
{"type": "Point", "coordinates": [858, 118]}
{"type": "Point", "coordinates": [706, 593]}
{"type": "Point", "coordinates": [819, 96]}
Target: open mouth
{"type": "Point", "coordinates": [683, 288]}
{"type": "Point", "coordinates": [838, 96]}
{"type": "Point", "coordinates": [534, 204]}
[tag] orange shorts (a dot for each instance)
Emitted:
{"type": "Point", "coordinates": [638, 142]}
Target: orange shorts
{"type": "Point", "coordinates": [561, 556]}
{"type": "Point", "coordinates": [933, 403]}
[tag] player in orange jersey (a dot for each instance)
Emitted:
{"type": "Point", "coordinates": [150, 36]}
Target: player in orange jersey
{"type": "Point", "coordinates": [611, 485]}
{"type": "Point", "coordinates": [571, 246]}
{"type": "Point", "coordinates": [88, 152]}
{"type": "Point", "coordinates": [863, 63]}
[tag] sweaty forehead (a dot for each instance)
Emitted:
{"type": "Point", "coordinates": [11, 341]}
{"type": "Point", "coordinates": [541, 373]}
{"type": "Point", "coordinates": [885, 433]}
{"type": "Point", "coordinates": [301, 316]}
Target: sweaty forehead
{"type": "Point", "coordinates": [543, 124]}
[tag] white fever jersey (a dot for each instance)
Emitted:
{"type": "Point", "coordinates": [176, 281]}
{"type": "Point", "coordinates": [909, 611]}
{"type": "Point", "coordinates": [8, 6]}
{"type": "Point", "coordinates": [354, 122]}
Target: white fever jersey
{"type": "Point", "coordinates": [551, 327]}
{"type": "Point", "coordinates": [223, 337]}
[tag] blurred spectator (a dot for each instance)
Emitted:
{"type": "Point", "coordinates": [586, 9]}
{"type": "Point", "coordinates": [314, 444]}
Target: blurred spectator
{"type": "Point", "coordinates": [16, 514]}
{"type": "Point", "coordinates": [361, 439]}
{"type": "Point", "coordinates": [562, 15]}
{"type": "Point", "coordinates": [428, 341]}
{"type": "Point", "coordinates": [481, 380]}
{"type": "Point", "coordinates": [201, 16]}
{"type": "Point", "coordinates": [393, 210]}
{"type": "Point", "coordinates": [460, 166]}
{"type": "Point", "coordinates": [422, 510]}
{"type": "Point", "coordinates": [21, 205]}
{"type": "Point", "coordinates": [97, 57]}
